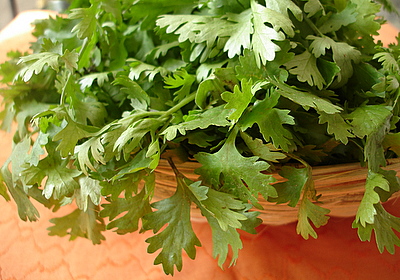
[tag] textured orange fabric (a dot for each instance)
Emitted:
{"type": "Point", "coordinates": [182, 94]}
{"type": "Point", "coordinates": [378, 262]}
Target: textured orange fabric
{"type": "Point", "coordinates": [276, 252]}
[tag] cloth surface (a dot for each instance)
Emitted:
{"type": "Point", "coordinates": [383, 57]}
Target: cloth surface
{"type": "Point", "coordinates": [276, 252]}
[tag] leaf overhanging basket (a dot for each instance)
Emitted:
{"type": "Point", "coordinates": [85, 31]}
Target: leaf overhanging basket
{"type": "Point", "coordinates": [341, 186]}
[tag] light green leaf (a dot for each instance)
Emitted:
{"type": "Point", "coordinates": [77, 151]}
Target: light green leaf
{"type": "Point", "coordinates": [180, 79]}
{"type": "Point", "coordinates": [135, 207]}
{"type": "Point", "coordinates": [26, 210]}
{"type": "Point", "coordinates": [139, 98]}
{"type": "Point", "coordinates": [343, 55]}
{"type": "Point", "coordinates": [262, 41]}
{"type": "Point", "coordinates": [304, 66]}
{"type": "Point", "coordinates": [79, 223]}
{"type": "Point", "coordinates": [310, 212]}
{"type": "Point", "coordinates": [36, 62]}
{"type": "Point", "coordinates": [222, 206]}
{"type": "Point", "coordinates": [88, 24]}
{"type": "Point", "coordinates": [70, 135]}
{"type": "Point", "coordinates": [366, 211]}
{"type": "Point", "coordinates": [283, 6]}
{"type": "Point", "coordinates": [239, 99]}
{"type": "Point", "coordinates": [239, 33]}
{"type": "Point", "coordinates": [367, 119]}
{"type": "Point", "coordinates": [342, 18]}
{"type": "Point", "coordinates": [383, 226]}
{"type": "Point", "coordinates": [366, 23]}
{"type": "Point", "coordinates": [92, 147]}
{"type": "Point", "coordinates": [87, 80]}
{"type": "Point", "coordinates": [70, 59]}
{"type": "Point", "coordinates": [388, 61]}
{"type": "Point", "coordinates": [216, 116]}
{"type": "Point", "coordinates": [89, 192]}
{"type": "Point", "coordinates": [312, 7]}
{"type": "Point", "coordinates": [264, 151]}
{"type": "Point", "coordinates": [59, 181]}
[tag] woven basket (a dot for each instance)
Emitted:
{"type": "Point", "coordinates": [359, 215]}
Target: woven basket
{"type": "Point", "coordinates": [341, 186]}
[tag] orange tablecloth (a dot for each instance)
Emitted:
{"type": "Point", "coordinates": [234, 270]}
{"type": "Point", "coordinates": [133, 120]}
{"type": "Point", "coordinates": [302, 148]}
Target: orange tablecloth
{"type": "Point", "coordinates": [276, 252]}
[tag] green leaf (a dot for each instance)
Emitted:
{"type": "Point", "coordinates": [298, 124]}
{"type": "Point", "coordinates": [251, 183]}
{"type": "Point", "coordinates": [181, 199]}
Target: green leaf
{"type": "Point", "coordinates": [202, 30]}
{"type": "Point", "coordinates": [307, 99]}
{"type": "Point", "coordinates": [271, 69]}
{"type": "Point", "coordinates": [87, 108]}
{"type": "Point", "coordinates": [366, 211]}
{"type": "Point", "coordinates": [367, 119]}
{"type": "Point", "coordinates": [312, 7]}
{"type": "Point", "coordinates": [70, 135]}
{"type": "Point", "coordinates": [304, 66]}
{"type": "Point", "coordinates": [128, 185]}
{"type": "Point", "coordinates": [222, 240]}
{"type": "Point", "coordinates": [264, 151]}
{"type": "Point", "coordinates": [174, 212]}
{"type": "Point", "coordinates": [209, 87]}
{"type": "Point", "coordinates": [180, 79]}
{"type": "Point", "coordinates": [383, 226]}
{"type": "Point", "coordinates": [36, 62]}
{"type": "Point", "coordinates": [373, 151]}
{"type": "Point", "coordinates": [388, 61]}
{"type": "Point", "coordinates": [88, 193]}
{"type": "Point", "coordinates": [3, 188]}
{"type": "Point", "coordinates": [59, 181]}
{"type": "Point", "coordinates": [70, 60]}
{"type": "Point", "coordinates": [310, 212]}
{"type": "Point", "coordinates": [263, 37]}
{"type": "Point", "coordinates": [88, 24]}
{"type": "Point", "coordinates": [222, 206]}
{"type": "Point", "coordinates": [87, 81]}
{"type": "Point", "coordinates": [291, 190]}
{"type": "Point", "coordinates": [343, 55]}
{"type": "Point", "coordinates": [239, 99]}
{"type": "Point", "coordinates": [216, 116]}
{"type": "Point", "coordinates": [26, 210]}
{"type": "Point", "coordinates": [139, 98]}
{"type": "Point", "coordinates": [239, 33]}
{"type": "Point", "coordinates": [366, 23]}
{"type": "Point", "coordinates": [284, 6]}
{"type": "Point", "coordinates": [79, 223]}
{"type": "Point", "coordinates": [271, 121]}
{"type": "Point", "coordinates": [229, 171]}
{"type": "Point", "coordinates": [342, 18]}
{"type": "Point", "coordinates": [139, 69]}
{"type": "Point", "coordinates": [139, 162]}
{"type": "Point", "coordinates": [149, 10]}
{"type": "Point", "coordinates": [224, 214]}
{"type": "Point", "coordinates": [336, 126]}
{"type": "Point", "coordinates": [125, 139]}
{"type": "Point", "coordinates": [93, 147]}
{"type": "Point", "coordinates": [135, 207]}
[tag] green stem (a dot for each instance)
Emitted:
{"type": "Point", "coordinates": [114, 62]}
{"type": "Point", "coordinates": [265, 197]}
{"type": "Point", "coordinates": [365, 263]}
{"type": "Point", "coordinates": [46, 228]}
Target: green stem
{"type": "Point", "coordinates": [181, 104]}
{"type": "Point", "coordinates": [313, 27]}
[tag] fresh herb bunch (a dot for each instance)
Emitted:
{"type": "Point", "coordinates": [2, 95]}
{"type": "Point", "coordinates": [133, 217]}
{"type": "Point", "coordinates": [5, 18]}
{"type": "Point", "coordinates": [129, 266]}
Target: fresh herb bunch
{"type": "Point", "coordinates": [239, 86]}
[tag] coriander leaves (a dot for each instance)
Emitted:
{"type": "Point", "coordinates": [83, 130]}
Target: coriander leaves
{"type": "Point", "coordinates": [242, 87]}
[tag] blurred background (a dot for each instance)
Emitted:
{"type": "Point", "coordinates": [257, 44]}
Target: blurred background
{"type": "Point", "coordinates": [10, 8]}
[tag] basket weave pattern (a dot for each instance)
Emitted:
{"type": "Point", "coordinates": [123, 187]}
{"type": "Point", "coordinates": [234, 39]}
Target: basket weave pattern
{"type": "Point", "coordinates": [341, 188]}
